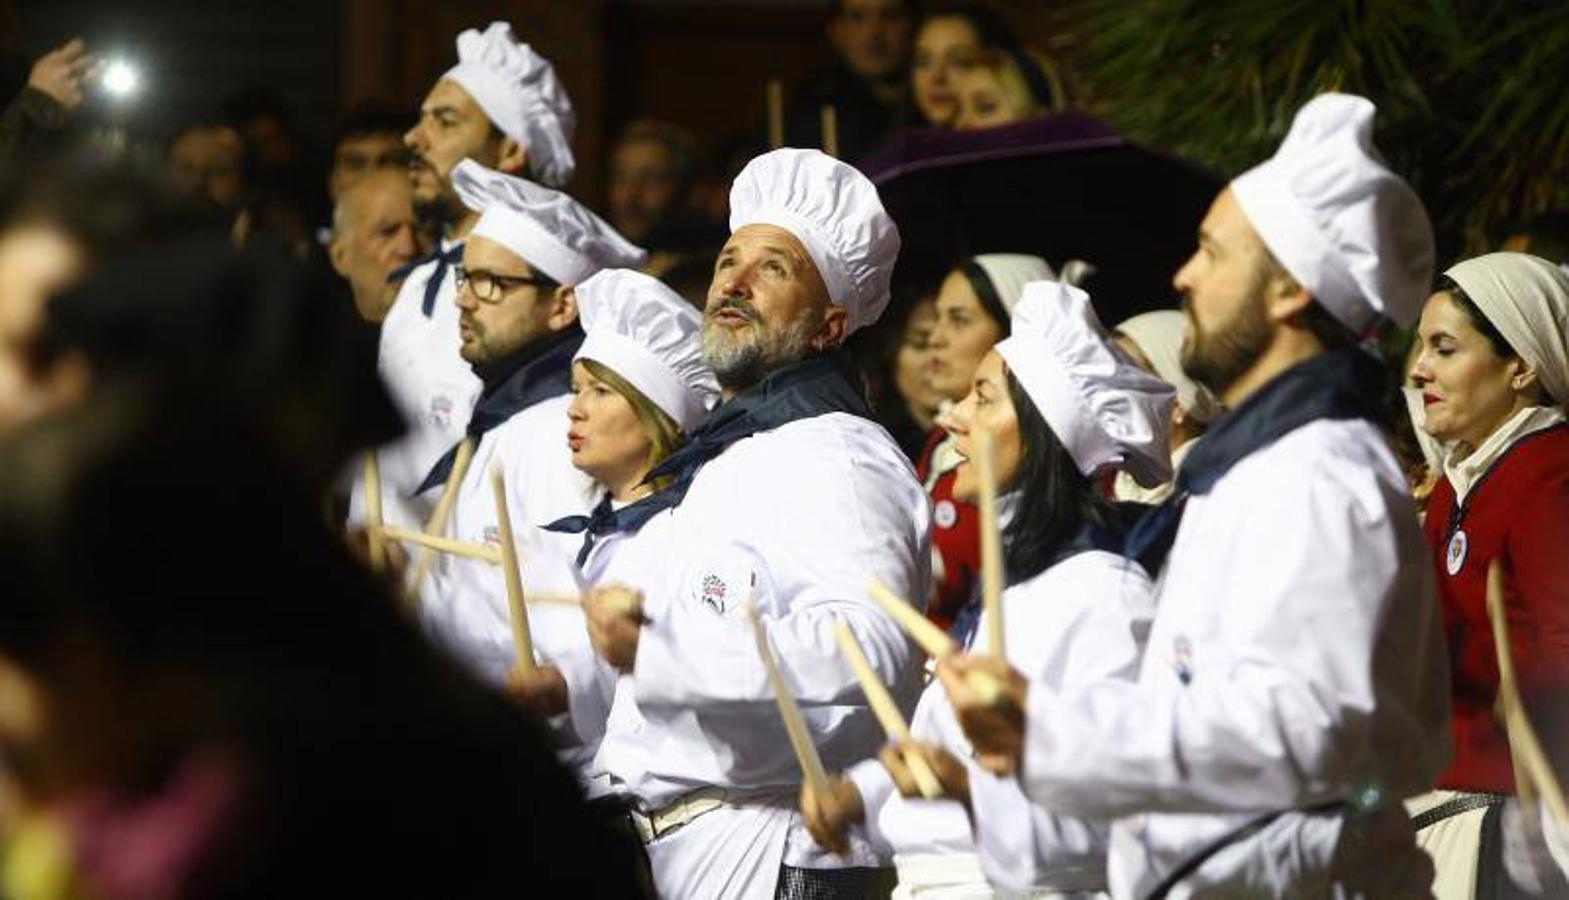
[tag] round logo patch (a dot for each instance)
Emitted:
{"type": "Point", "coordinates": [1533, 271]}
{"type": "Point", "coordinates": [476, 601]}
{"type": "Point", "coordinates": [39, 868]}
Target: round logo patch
{"type": "Point", "coordinates": [1454, 558]}
{"type": "Point", "coordinates": [946, 514]}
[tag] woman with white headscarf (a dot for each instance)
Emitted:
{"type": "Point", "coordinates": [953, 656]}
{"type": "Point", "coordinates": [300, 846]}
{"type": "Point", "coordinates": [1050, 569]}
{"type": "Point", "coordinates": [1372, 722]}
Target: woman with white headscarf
{"type": "Point", "coordinates": [1153, 340]}
{"type": "Point", "coordinates": [1062, 408]}
{"type": "Point", "coordinates": [973, 306]}
{"type": "Point", "coordinates": [1493, 372]}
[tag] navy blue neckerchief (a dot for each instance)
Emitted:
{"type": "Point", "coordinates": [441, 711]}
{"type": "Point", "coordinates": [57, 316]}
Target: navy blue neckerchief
{"type": "Point", "coordinates": [803, 390]}
{"type": "Point", "coordinates": [1110, 536]}
{"type": "Point", "coordinates": [1337, 385]}
{"type": "Point", "coordinates": [598, 523]}
{"type": "Point", "coordinates": [443, 259]}
{"type": "Point", "coordinates": [536, 374]}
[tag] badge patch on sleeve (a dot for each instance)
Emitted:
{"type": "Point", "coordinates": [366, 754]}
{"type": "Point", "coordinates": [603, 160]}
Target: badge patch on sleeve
{"type": "Point", "coordinates": [441, 412]}
{"type": "Point", "coordinates": [713, 593]}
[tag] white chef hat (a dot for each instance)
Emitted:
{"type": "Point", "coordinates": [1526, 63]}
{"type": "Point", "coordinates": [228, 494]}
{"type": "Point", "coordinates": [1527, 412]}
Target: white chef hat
{"type": "Point", "coordinates": [650, 336]}
{"type": "Point", "coordinates": [1349, 230]}
{"type": "Point", "coordinates": [1104, 409]}
{"type": "Point", "coordinates": [552, 232]}
{"type": "Point", "coordinates": [1010, 272]}
{"type": "Point", "coordinates": [518, 90]}
{"type": "Point", "coordinates": [1158, 336]}
{"type": "Point", "coordinates": [834, 211]}
{"type": "Point", "coordinates": [1526, 298]}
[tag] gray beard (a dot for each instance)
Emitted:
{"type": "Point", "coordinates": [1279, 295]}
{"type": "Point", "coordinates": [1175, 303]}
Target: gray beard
{"type": "Point", "coordinates": [739, 363]}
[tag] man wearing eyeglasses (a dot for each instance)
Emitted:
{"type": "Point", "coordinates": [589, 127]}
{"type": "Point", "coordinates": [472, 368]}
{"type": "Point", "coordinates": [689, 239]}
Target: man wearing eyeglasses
{"type": "Point", "coordinates": [501, 106]}
{"type": "Point", "coordinates": [518, 327]}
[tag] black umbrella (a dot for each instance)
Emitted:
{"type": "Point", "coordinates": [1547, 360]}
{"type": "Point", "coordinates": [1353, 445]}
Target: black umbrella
{"type": "Point", "coordinates": [1063, 187]}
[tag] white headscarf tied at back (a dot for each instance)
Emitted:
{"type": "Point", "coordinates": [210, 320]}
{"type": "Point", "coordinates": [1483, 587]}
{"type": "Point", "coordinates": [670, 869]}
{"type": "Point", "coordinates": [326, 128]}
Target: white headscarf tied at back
{"type": "Point", "coordinates": [834, 211]}
{"type": "Point", "coordinates": [1104, 409]}
{"type": "Point", "coordinates": [1010, 272]}
{"type": "Point", "coordinates": [650, 336]}
{"type": "Point", "coordinates": [1527, 299]}
{"type": "Point", "coordinates": [1158, 336]}
{"type": "Point", "coordinates": [518, 90]}
{"type": "Point", "coordinates": [552, 232]}
{"type": "Point", "coordinates": [1349, 230]}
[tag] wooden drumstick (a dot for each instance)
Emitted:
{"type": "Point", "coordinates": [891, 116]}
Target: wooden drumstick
{"type": "Point", "coordinates": [991, 540]}
{"type": "Point", "coordinates": [522, 640]}
{"type": "Point", "coordinates": [775, 114]}
{"type": "Point", "coordinates": [929, 637]}
{"type": "Point", "coordinates": [926, 635]}
{"type": "Point", "coordinates": [437, 524]}
{"type": "Point", "coordinates": [373, 515]}
{"type": "Point", "coordinates": [795, 725]}
{"type": "Point", "coordinates": [435, 544]}
{"type": "Point", "coordinates": [886, 710]}
{"type": "Point", "coordinates": [1532, 770]}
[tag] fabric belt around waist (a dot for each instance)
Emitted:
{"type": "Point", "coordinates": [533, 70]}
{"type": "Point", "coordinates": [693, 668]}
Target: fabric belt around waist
{"type": "Point", "coordinates": [1454, 806]}
{"type": "Point", "coordinates": [656, 823]}
{"type": "Point", "coordinates": [1236, 835]}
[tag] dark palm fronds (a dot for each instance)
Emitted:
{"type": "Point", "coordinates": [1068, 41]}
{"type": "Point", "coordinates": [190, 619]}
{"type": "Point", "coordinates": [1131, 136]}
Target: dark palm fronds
{"type": "Point", "coordinates": [1471, 93]}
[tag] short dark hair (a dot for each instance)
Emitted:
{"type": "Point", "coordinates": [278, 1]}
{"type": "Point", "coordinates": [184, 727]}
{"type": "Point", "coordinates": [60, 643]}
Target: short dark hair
{"type": "Point", "coordinates": [1055, 498]}
{"type": "Point", "coordinates": [1332, 333]}
{"type": "Point", "coordinates": [991, 28]}
{"type": "Point", "coordinates": [369, 117]}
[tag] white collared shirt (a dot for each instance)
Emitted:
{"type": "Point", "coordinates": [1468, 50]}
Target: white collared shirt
{"type": "Point", "coordinates": [1464, 472]}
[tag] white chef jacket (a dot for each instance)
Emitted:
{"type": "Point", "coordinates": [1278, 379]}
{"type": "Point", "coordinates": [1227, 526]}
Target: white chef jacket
{"type": "Point", "coordinates": [464, 603]}
{"type": "Point", "coordinates": [812, 510]}
{"type": "Point", "coordinates": [1296, 655]}
{"type": "Point", "coordinates": [432, 386]}
{"type": "Point", "coordinates": [611, 699]}
{"type": "Point", "coordinates": [1082, 620]}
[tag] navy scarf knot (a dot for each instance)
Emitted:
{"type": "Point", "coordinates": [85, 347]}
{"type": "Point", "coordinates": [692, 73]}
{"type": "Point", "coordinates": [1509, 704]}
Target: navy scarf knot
{"type": "Point", "coordinates": [1336, 385]}
{"type": "Point", "coordinates": [802, 390]}
{"type": "Point", "coordinates": [595, 525]}
{"type": "Point", "coordinates": [444, 259]}
{"type": "Point", "coordinates": [543, 374]}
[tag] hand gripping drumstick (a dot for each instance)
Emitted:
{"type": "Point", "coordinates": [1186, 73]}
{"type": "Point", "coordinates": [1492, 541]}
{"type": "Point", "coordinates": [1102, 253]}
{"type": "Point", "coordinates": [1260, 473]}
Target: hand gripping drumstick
{"type": "Point", "coordinates": [930, 638]}
{"type": "Point", "coordinates": [886, 710]}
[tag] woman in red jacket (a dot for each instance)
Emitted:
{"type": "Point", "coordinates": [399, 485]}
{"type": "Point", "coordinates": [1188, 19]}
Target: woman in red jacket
{"type": "Point", "coordinates": [973, 308]}
{"type": "Point", "coordinates": [1494, 375]}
